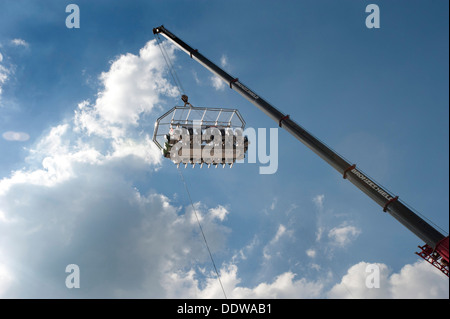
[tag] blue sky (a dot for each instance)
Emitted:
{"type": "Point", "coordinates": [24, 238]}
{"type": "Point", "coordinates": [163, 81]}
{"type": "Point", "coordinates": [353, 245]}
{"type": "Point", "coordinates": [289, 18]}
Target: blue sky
{"type": "Point", "coordinates": [82, 183]}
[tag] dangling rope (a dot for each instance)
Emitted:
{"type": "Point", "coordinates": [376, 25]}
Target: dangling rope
{"type": "Point", "coordinates": [203, 234]}
{"type": "Point", "coordinates": [184, 98]}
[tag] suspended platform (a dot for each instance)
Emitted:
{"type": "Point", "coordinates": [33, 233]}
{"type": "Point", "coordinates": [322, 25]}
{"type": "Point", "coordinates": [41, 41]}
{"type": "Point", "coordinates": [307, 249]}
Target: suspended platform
{"type": "Point", "coordinates": [199, 135]}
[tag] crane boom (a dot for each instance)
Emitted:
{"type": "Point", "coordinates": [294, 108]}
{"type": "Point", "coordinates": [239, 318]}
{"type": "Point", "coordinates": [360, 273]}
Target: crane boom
{"type": "Point", "coordinates": [436, 246]}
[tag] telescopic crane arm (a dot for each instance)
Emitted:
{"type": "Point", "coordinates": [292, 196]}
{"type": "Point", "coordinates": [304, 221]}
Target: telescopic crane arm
{"type": "Point", "coordinates": [436, 248]}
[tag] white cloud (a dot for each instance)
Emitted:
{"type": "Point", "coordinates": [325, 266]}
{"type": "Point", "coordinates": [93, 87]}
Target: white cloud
{"type": "Point", "coordinates": [53, 160]}
{"type": "Point", "coordinates": [338, 236]}
{"type": "Point", "coordinates": [16, 136]}
{"type": "Point", "coordinates": [319, 233]}
{"type": "Point", "coordinates": [6, 279]}
{"type": "Point", "coordinates": [197, 80]}
{"type": "Point", "coordinates": [76, 176]}
{"type": "Point", "coordinates": [311, 253]}
{"type": "Point", "coordinates": [281, 230]}
{"type": "Point", "coordinates": [274, 204]}
{"type": "Point", "coordinates": [81, 208]}
{"type": "Point", "coordinates": [219, 212]}
{"type": "Point", "coordinates": [315, 266]}
{"type": "Point", "coordinates": [56, 142]}
{"type": "Point", "coordinates": [134, 85]}
{"type": "Point", "coordinates": [419, 280]}
{"type": "Point", "coordinates": [248, 249]}
{"type": "Point", "coordinates": [7, 70]}
{"type": "Point", "coordinates": [343, 235]}
{"type": "Point", "coordinates": [4, 74]}
{"type": "Point", "coordinates": [318, 200]}
{"type": "Point", "coordinates": [224, 61]}
{"type": "Point", "coordinates": [19, 42]}
{"type": "Point", "coordinates": [143, 148]}
{"type": "Point", "coordinates": [353, 284]}
{"type": "Point", "coordinates": [217, 83]}
{"type": "Point", "coordinates": [125, 243]}
{"type": "Point", "coordinates": [283, 286]}
{"type": "Point", "coordinates": [270, 248]}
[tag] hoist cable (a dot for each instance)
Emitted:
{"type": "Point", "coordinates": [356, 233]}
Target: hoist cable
{"type": "Point", "coordinates": [203, 234]}
{"type": "Point", "coordinates": [170, 66]}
